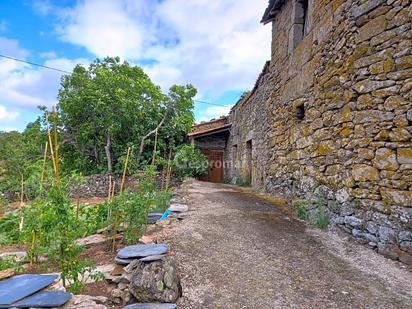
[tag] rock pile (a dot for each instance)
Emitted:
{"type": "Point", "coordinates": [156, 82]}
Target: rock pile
{"type": "Point", "coordinates": [145, 274]}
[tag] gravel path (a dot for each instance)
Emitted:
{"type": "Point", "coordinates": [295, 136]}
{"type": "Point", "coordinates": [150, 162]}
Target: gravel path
{"type": "Point", "coordinates": [236, 250]}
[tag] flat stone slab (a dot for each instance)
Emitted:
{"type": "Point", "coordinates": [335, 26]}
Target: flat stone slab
{"type": "Point", "coordinates": [140, 251]}
{"type": "Point", "coordinates": [91, 240]}
{"type": "Point", "coordinates": [153, 217]}
{"type": "Point", "coordinates": [18, 256]}
{"type": "Point", "coordinates": [178, 208]}
{"type": "Point", "coordinates": [151, 306]}
{"type": "Point", "coordinates": [123, 261]}
{"type": "Point", "coordinates": [21, 286]}
{"type": "Point", "coordinates": [152, 258]}
{"type": "Point", "coordinates": [44, 299]}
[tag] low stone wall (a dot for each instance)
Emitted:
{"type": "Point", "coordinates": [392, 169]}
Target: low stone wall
{"type": "Point", "coordinates": [98, 185]}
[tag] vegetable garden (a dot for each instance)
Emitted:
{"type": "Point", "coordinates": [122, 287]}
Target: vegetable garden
{"type": "Point", "coordinates": [110, 118]}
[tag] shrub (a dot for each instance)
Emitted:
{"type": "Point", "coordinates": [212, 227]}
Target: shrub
{"type": "Point", "coordinates": [189, 162]}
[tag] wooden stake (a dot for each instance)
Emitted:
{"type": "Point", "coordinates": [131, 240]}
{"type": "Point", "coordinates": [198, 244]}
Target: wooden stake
{"type": "Point", "coordinates": [21, 223]}
{"type": "Point", "coordinates": [125, 169]}
{"type": "Point", "coordinates": [113, 189]}
{"type": "Point", "coordinates": [50, 143]}
{"type": "Point", "coordinates": [22, 191]}
{"type": "Point", "coordinates": [44, 167]}
{"type": "Point", "coordinates": [154, 148]}
{"type": "Point", "coordinates": [110, 189]}
{"type": "Point", "coordinates": [56, 143]}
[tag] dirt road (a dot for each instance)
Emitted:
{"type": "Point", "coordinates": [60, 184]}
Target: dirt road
{"type": "Point", "coordinates": [236, 250]}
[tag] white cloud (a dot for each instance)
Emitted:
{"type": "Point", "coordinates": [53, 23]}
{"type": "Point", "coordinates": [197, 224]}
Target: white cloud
{"type": "Point", "coordinates": [24, 86]}
{"type": "Point", "coordinates": [214, 112]}
{"type": "Point", "coordinates": [6, 115]}
{"type": "Point", "coordinates": [104, 28]}
{"type": "Point", "coordinates": [215, 45]}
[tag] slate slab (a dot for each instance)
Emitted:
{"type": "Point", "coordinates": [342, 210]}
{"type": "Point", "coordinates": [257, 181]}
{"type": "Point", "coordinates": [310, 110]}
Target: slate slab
{"type": "Point", "coordinates": [44, 299]}
{"type": "Point", "coordinates": [140, 251]}
{"type": "Point", "coordinates": [18, 287]}
{"type": "Point", "coordinates": [153, 217]}
{"type": "Point", "coordinates": [123, 261]}
{"type": "Point", "coordinates": [151, 306]}
{"type": "Point", "coordinates": [152, 258]}
{"type": "Point", "coordinates": [178, 208]}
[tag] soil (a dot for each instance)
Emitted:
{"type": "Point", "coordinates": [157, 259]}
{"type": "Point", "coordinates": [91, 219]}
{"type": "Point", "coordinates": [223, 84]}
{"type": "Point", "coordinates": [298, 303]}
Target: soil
{"type": "Point", "coordinates": [236, 249]}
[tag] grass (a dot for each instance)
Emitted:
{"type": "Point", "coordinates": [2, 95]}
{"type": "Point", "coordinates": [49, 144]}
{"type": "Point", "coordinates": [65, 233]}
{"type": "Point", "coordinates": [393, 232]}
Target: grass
{"type": "Point", "coordinates": [314, 212]}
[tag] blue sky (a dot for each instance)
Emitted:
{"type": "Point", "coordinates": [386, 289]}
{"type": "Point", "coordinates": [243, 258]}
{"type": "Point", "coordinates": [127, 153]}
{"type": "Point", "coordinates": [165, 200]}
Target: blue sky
{"type": "Point", "coordinates": [218, 46]}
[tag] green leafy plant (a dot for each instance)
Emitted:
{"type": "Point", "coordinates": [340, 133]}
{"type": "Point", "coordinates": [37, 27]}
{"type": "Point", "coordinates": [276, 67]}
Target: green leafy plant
{"type": "Point", "coordinates": [10, 262]}
{"type": "Point", "coordinates": [314, 212]}
{"type": "Point", "coordinates": [189, 162]}
{"type": "Point", "coordinates": [301, 211]}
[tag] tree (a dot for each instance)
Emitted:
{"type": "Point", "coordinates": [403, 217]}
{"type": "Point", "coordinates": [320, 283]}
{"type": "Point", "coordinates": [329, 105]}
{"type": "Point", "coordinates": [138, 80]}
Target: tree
{"type": "Point", "coordinates": [112, 105]}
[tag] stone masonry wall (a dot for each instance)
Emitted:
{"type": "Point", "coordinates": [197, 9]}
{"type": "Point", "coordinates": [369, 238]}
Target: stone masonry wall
{"type": "Point", "coordinates": [352, 76]}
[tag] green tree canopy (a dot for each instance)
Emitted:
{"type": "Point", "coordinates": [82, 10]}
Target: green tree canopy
{"type": "Point", "coordinates": [112, 105]}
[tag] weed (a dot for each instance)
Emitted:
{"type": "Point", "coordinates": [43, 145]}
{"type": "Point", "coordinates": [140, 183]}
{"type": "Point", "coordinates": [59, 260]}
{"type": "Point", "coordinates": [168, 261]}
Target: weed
{"type": "Point", "coordinates": [315, 212]}
{"type": "Point", "coordinates": [9, 262]}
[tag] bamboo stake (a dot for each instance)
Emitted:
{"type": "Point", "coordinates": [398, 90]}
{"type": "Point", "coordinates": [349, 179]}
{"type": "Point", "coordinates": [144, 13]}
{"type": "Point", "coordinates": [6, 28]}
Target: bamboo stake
{"type": "Point", "coordinates": [56, 143]}
{"type": "Point", "coordinates": [125, 169]}
{"type": "Point", "coordinates": [110, 189]}
{"type": "Point", "coordinates": [154, 148]}
{"type": "Point", "coordinates": [113, 189]}
{"type": "Point", "coordinates": [21, 223]}
{"type": "Point", "coordinates": [44, 166]}
{"type": "Point", "coordinates": [109, 206]}
{"type": "Point", "coordinates": [50, 143]}
{"type": "Point", "coordinates": [22, 191]}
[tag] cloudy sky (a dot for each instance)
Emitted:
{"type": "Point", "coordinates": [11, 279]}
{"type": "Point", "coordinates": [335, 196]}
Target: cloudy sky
{"type": "Point", "coordinates": [219, 46]}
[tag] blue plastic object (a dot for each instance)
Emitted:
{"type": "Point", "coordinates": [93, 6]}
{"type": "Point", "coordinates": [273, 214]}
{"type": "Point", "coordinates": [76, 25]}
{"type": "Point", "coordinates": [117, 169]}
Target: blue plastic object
{"type": "Point", "coordinates": [21, 286]}
{"type": "Point", "coordinates": [165, 214]}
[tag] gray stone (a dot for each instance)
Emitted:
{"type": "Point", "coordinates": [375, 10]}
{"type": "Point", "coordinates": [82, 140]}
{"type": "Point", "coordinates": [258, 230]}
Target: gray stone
{"type": "Point", "coordinates": [388, 250]}
{"type": "Point", "coordinates": [405, 236]}
{"type": "Point", "coordinates": [91, 240]}
{"type": "Point", "coordinates": [152, 258]}
{"type": "Point", "coordinates": [368, 85]}
{"type": "Point", "coordinates": [178, 208]}
{"type": "Point", "coordinates": [371, 238]}
{"type": "Point", "coordinates": [365, 8]}
{"type": "Point", "coordinates": [123, 261]}
{"type": "Point", "coordinates": [409, 115]}
{"type": "Point", "coordinates": [357, 233]}
{"type": "Point", "coordinates": [151, 306]}
{"type": "Point", "coordinates": [406, 246]}
{"type": "Point", "coordinates": [372, 227]}
{"type": "Point", "coordinates": [353, 221]}
{"type": "Point", "coordinates": [158, 281]}
{"type": "Point", "coordinates": [137, 251]}
{"type": "Point", "coordinates": [387, 235]}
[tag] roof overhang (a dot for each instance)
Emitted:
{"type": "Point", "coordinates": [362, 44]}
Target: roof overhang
{"type": "Point", "coordinates": [271, 11]}
{"type": "Point", "coordinates": [213, 131]}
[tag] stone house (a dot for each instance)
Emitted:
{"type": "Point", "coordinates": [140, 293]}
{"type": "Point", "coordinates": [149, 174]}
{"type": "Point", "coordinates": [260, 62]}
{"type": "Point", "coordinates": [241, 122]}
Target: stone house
{"type": "Point", "coordinates": [330, 116]}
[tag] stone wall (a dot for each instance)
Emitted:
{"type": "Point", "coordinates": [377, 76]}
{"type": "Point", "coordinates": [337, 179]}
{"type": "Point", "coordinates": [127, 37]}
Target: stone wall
{"type": "Point", "coordinates": [350, 79]}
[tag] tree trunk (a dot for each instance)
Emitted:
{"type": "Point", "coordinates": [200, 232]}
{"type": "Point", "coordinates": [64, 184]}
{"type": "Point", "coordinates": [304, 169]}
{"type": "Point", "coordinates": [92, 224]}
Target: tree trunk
{"type": "Point", "coordinates": [139, 155]}
{"type": "Point", "coordinates": [108, 154]}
